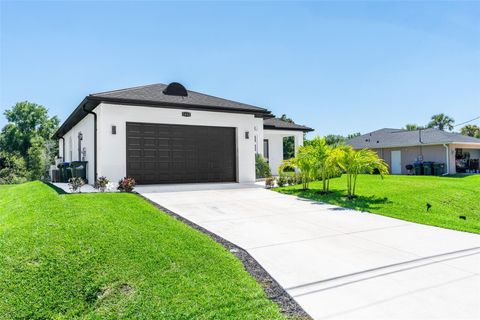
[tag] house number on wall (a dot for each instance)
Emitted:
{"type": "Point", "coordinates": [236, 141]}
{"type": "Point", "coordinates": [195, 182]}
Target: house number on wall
{"type": "Point", "coordinates": [186, 114]}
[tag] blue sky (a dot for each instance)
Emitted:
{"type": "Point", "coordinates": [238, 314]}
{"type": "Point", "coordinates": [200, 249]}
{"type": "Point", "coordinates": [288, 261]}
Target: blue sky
{"type": "Point", "coordinates": [339, 67]}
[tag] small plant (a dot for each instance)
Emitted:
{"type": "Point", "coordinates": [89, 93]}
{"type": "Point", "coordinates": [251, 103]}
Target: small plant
{"type": "Point", "coordinates": [75, 184]}
{"type": "Point", "coordinates": [262, 168]}
{"type": "Point", "coordinates": [270, 182]}
{"type": "Point", "coordinates": [282, 180]}
{"type": "Point", "coordinates": [101, 184]}
{"type": "Point", "coordinates": [126, 184]}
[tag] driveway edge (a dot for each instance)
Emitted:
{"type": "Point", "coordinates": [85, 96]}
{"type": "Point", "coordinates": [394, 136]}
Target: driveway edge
{"type": "Point", "coordinates": [273, 290]}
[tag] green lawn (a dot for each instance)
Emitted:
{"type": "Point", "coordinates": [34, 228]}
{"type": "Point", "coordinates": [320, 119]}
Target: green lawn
{"type": "Point", "coordinates": [112, 256]}
{"type": "Point", "coordinates": [406, 197]}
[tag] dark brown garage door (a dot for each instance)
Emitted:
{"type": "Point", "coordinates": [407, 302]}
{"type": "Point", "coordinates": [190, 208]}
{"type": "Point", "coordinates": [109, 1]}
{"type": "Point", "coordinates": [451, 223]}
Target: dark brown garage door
{"type": "Point", "coordinates": [162, 153]}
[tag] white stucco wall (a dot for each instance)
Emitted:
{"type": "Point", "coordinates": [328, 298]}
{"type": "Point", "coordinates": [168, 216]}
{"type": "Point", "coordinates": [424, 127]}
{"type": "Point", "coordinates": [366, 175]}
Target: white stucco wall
{"type": "Point", "coordinates": [85, 126]}
{"type": "Point", "coordinates": [275, 142]}
{"type": "Point", "coordinates": [112, 148]}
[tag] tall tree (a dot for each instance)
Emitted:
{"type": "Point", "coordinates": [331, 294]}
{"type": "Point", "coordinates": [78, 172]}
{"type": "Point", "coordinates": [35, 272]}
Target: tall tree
{"type": "Point", "coordinates": [441, 121]}
{"type": "Point", "coordinates": [471, 130]}
{"type": "Point", "coordinates": [28, 129]}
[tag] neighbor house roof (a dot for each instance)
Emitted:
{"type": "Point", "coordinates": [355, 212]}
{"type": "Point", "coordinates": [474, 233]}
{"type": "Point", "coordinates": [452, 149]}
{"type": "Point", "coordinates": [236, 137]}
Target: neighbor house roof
{"type": "Point", "coordinates": [157, 95]}
{"type": "Point", "coordinates": [278, 124]}
{"type": "Point", "coordinates": [388, 137]}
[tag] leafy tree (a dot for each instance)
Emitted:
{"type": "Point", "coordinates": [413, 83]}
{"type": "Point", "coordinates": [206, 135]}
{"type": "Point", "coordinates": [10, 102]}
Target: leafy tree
{"type": "Point", "coordinates": [27, 134]}
{"type": "Point", "coordinates": [355, 162]}
{"type": "Point", "coordinates": [471, 130]}
{"type": "Point", "coordinates": [441, 121]}
{"type": "Point", "coordinates": [37, 160]}
{"type": "Point", "coordinates": [413, 127]}
{"type": "Point", "coordinates": [334, 139]}
{"type": "Point", "coordinates": [353, 135]}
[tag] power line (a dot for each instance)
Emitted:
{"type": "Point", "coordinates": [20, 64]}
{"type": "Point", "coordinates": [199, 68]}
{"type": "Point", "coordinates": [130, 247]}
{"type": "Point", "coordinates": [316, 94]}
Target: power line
{"type": "Point", "coordinates": [467, 121]}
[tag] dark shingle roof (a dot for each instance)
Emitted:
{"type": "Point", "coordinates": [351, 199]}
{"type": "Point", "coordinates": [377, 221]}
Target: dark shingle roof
{"type": "Point", "coordinates": [388, 137]}
{"type": "Point", "coordinates": [277, 124]}
{"type": "Point", "coordinates": [153, 95]}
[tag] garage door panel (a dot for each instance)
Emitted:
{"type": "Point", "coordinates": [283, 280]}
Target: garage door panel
{"type": "Point", "coordinates": [159, 153]}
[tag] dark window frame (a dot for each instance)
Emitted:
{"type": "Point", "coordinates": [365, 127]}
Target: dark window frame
{"type": "Point", "coordinates": [266, 151]}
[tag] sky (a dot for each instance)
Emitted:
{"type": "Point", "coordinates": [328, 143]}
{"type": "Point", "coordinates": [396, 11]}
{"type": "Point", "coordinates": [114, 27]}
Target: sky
{"type": "Point", "coordinates": [338, 67]}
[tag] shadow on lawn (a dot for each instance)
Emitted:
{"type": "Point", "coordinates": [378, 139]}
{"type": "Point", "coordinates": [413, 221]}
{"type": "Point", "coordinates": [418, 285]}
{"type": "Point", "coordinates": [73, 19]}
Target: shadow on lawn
{"type": "Point", "coordinates": [339, 198]}
{"type": "Point", "coordinates": [54, 187]}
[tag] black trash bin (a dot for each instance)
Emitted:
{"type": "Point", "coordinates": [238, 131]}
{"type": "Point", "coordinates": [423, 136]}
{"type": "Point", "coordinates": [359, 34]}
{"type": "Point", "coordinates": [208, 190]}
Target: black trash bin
{"type": "Point", "coordinates": [438, 169]}
{"type": "Point", "coordinates": [428, 168]}
{"type": "Point", "coordinates": [418, 167]}
{"type": "Point", "coordinates": [79, 169]}
{"type": "Point", "coordinates": [65, 172]}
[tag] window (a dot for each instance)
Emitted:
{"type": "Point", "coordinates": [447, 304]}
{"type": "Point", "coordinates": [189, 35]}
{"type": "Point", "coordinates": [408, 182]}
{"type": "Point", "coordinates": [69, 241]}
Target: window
{"type": "Point", "coordinates": [70, 149]}
{"type": "Point", "coordinates": [265, 149]}
{"type": "Point", "coordinates": [80, 138]}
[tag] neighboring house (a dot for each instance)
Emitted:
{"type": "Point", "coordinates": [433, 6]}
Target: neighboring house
{"type": "Point", "coordinates": [166, 134]}
{"type": "Point", "coordinates": [400, 147]}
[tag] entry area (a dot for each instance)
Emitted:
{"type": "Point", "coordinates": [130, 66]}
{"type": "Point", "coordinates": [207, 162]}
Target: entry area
{"type": "Point", "coordinates": [163, 153]}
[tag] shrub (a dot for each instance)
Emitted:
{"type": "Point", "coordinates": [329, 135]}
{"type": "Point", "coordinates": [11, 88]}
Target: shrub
{"type": "Point", "coordinates": [12, 169]}
{"type": "Point", "coordinates": [126, 184]}
{"type": "Point", "coordinates": [101, 184]}
{"type": "Point", "coordinates": [270, 182]}
{"type": "Point", "coordinates": [282, 180]}
{"type": "Point", "coordinates": [262, 169]}
{"type": "Point", "coordinates": [76, 183]}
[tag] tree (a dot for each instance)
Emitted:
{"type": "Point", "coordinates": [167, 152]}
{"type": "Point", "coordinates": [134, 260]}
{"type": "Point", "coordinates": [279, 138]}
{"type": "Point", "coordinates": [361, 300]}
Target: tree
{"type": "Point", "coordinates": [28, 131]}
{"type": "Point", "coordinates": [12, 168]}
{"type": "Point", "coordinates": [305, 161]}
{"type": "Point", "coordinates": [471, 130]}
{"type": "Point", "coordinates": [353, 135]}
{"type": "Point", "coordinates": [441, 121]}
{"type": "Point", "coordinates": [325, 163]}
{"type": "Point", "coordinates": [334, 139]}
{"type": "Point", "coordinates": [413, 127]}
{"type": "Point", "coordinates": [355, 162]}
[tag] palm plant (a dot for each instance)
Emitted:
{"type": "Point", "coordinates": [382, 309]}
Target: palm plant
{"type": "Point", "coordinates": [471, 130]}
{"type": "Point", "coordinates": [355, 162]}
{"type": "Point", "coordinates": [305, 162]}
{"type": "Point", "coordinates": [441, 121]}
{"type": "Point", "coordinates": [325, 161]}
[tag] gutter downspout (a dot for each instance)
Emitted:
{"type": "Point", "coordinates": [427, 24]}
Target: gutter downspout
{"type": "Point", "coordinates": [448, 159]}
{"type": "Point", "coordinates": [63, 148]}
{"type": "Point", "coordinates": [94, 142]}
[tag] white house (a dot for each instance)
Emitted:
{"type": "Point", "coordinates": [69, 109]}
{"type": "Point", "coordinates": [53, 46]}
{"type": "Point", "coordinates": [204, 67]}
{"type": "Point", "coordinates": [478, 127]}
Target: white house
{"type": "Point", "coordinates": [166, 134]}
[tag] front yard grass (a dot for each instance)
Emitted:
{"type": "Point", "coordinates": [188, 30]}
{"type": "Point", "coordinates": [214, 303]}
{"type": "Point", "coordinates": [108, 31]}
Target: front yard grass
{"type": "Point", "coordinates": [114, 256]}
{"type": "Point", "coordinates": [406, 197]}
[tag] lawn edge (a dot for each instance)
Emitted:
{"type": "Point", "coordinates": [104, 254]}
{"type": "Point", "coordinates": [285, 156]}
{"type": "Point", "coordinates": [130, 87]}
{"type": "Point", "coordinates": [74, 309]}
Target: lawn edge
{"type": "Point", "coordinates": [274, 291]}
{"type": "Point", "coordinates": [377, 213]}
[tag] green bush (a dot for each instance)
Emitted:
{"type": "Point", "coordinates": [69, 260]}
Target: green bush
{"type": "Point", "coordinates": [12, 169]}
{"type": "Point", "coordinates": [262, 169]}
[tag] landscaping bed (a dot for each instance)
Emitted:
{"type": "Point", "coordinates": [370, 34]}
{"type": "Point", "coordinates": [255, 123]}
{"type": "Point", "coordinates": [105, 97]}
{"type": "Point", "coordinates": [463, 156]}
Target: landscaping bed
{"type": "Point", "coordinates": [112, 256]}
{"type": "Point", "coordinates": [448, 202]}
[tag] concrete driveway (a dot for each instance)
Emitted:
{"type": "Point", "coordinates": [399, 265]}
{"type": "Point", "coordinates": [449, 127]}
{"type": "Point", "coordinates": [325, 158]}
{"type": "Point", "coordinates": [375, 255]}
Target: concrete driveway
{"type": "Point", "coordinates": [339, 263]}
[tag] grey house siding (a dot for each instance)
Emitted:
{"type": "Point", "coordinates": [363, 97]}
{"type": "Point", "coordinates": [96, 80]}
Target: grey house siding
{"type": "Point", "coordinates": [435, 153]}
